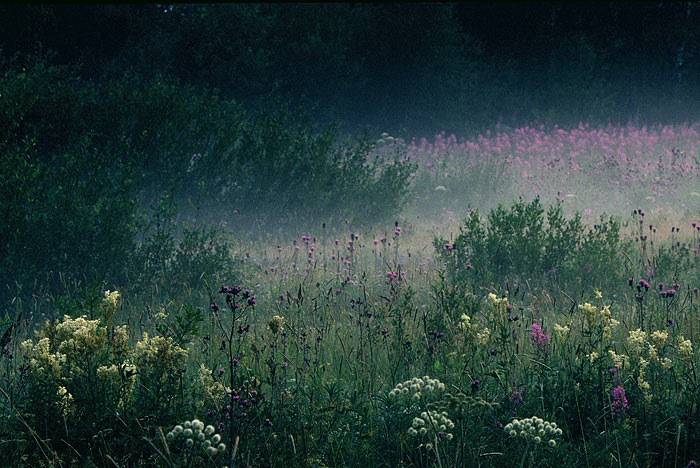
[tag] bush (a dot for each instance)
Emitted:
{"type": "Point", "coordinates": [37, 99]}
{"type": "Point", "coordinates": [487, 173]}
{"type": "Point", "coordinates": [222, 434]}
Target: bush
{"type": "Point", "coordinates": [73, 215]}
{"type": "Point", "coordinates": [521, 244]}
{"type": "Point", "coordinates": [79, 159]}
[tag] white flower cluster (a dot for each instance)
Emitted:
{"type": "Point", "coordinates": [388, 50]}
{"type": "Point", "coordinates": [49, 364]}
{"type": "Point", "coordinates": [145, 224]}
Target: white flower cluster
{"type": "Point", "coordinates": [534, 429]}
{"type": "Point", "coordinates": [193, 432]}
{"type": "Point", "coordinates": [435, 423]}
{"type": "Point", "coordinates": [417, 387]}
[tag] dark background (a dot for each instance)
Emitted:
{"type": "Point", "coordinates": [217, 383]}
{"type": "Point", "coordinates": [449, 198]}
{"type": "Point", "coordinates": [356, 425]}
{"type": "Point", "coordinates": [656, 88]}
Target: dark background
{"type": "Point", "coordinates": [418, 67]}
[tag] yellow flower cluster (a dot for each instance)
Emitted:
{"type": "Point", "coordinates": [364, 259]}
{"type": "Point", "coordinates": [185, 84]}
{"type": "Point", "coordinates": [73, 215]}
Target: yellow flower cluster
{"type": "Point", "coordinates": [159, 357]}
{"type": "Point", "coordinates": [619, 360]}
{"type": "Point", "coordinates": [79, 339]}
{"type": "Point", "coordinates": [65, 401]}
{"type": "Point", "coordinates": [562, 332]}
{"type": "Point", "coordinates": [472, 332]}
{"type": "Point", "coordinates": [275, 324]}
{"type": "Point", "coordinates": [659, 338]}
{"type": "Point", "coordinates": [42, 360]}
{"type": "Point", "coordinates": [117, 379]}
{"type": "Point", "coordinates": [590, 312]}
{"type": "Point", "coordinates": [636, 341]}
{"type": "Point", "coordinates": [109, 305]}
{"type": "Point", "coordinates": [119, 342]}
{"type": "Point", "coordinates": [685, 350]}
{"type": "Point", "coordinates": [592, 357]}
{"type": "Point", "coordinates": [495, 300]}
{"type": "Point", "coordinates": [602, 318]}
{"type": "Point", "coordinates": [210, 388]}
{"type": "Point", "coordinates": [608, 323]}
{"type": "Point", "coordinates": [641, 383]}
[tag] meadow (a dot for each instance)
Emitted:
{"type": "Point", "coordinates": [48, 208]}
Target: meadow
{"type": "Point", "coordinates": [533, 301]}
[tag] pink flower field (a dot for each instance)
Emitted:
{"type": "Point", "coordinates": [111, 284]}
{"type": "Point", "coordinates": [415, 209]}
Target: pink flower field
{"type": "Point", "coordinates": [613, 169]}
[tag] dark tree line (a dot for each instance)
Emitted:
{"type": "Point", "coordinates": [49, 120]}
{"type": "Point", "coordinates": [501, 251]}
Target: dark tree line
{"type": "Point", "coordinates": [423, 67]}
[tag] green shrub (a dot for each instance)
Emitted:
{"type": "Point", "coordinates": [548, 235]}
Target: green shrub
{"type": "Point", "coordinates": [73, 215]}
{"type": "Point", "coordinates": [521, 244]}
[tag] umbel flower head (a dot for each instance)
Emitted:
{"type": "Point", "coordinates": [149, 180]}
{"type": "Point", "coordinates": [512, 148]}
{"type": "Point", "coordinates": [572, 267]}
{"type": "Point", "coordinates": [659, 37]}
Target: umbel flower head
{"type": "Point", "coordinates": [418, 387]}
{"type": "Point", "coordinates": [431, 424]}
{"type": "Point", "coordinates": [534, 429]}
{"type": "Point", "coordinates": [193, 434]}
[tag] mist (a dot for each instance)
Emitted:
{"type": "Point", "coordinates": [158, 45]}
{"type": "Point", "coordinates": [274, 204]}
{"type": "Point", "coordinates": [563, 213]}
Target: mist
{"type": "Point", "coordinates": [350, 234]}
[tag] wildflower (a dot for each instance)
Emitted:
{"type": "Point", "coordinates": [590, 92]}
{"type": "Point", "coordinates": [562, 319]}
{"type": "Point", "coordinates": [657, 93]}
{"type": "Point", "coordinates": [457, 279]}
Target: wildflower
{"type": "Point", "coordinates": [592, 357]}
{"type": "Point", "coordinates": [534, 429]}
{"type": "Point", "coordinates": [275, 324]}
{"type": "Point", "coordinates": [562, 331]}
{"type": "Point", "coordinates": [685, 349]}
{"type": "Point", "coordinates": [636, 340]}
{"type": "Point", "coordinates": [482, 337]}
{"type": "Point", "coordinates": [517, 396]}
{"type": "Point", "coordinates": [109, 304]}
{"type": "Point", "coordinates": [540, 340]}
{"type": "Point", "coordinates": [589, 312]}
{"type": "Point", "coordinates": [619, 400]}
{"type": "Point", "coordinates": [618, 359]}
{"type": "Point", "coordinates": [659, 338]}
